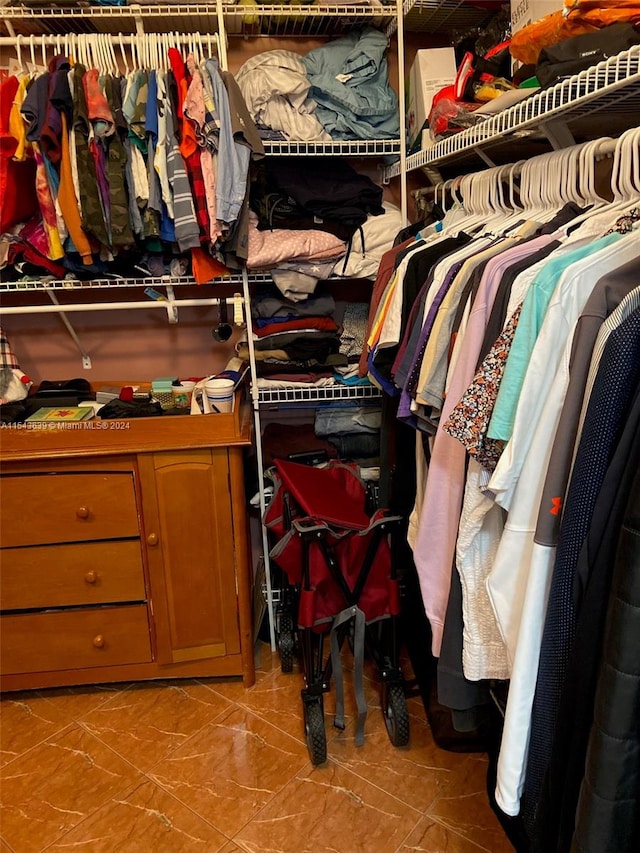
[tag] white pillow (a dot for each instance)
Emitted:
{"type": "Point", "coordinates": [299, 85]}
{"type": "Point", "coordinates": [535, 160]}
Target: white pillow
{"type": "Point", "coordinates": [379, 234]}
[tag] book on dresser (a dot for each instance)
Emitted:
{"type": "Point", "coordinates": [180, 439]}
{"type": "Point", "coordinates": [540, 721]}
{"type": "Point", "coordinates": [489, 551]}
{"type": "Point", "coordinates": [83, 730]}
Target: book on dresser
{"type": "Point", "coordinates": [60, 414]}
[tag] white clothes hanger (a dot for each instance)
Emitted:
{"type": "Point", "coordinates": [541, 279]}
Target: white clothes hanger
{"type": "Point", "coordinates": [153, 53]}
{"type": "Point", "coordinates": [477, 202]}
{"type": "Point", "coordinates": [82, 49]}
{"type": "Point", "coordinates": [97, 46]}
{"type": "Point", "coordinates": [19, 54]}
{"type": "Point", "coordinates": [164, 50]}
{"type": "Point", "coordinates": [32, 51]}
{"type": "Point", "coordinates": [105, 58]}
{"type": "Point", "coordinates": [113, 57]}
{"type": "Point", "coordinates": [506, 209]}
{"type": "Point", "coordinates": [125, 61]}
{"type": "Point", "coordinates": [514, 208]}
{"type": "Point", "coordinates": [459, 213]}
{"type": "Point", "coordinates": [625, 193]}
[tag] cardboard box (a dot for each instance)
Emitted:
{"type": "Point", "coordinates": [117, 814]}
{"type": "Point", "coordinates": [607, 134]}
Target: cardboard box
{"type": "Point", "coordinates": [432, 70]}
{"type": "Point", "coordinates": [524, 12]}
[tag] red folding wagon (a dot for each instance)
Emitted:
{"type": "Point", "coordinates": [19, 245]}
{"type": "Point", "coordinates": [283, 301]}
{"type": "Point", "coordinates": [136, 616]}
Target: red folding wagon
{"type": "Point", "coordinates": [341, 585]}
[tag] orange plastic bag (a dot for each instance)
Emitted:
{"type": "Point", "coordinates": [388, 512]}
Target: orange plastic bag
{"type": "Point", "coordinates": [205, 268]}
{"type": "Point", "coordinates": [577, 17]}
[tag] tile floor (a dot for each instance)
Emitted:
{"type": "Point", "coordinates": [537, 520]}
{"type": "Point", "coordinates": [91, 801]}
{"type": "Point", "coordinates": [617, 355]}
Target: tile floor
{"type": "Point", "coordinates": [205, 765]}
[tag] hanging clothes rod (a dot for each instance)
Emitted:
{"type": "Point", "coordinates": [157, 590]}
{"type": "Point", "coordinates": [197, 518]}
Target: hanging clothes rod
{"type": "Point", "coordinates": [111, 306]}
{"type": "Point", "coordinates": [49, 40]}
{"type": "Point", "coordinates": [72, 42]}
{"type": "Point", "coordinates": [605, 147]}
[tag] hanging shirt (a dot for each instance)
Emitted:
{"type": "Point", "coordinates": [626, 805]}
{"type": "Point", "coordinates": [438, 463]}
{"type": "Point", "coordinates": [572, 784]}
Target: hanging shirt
{"type": "Point", "coordinates": [17, 127]}
{"type": "Point", "coordinates": [385, 271]}
{"type": "Point", "coordinates": [561, 615]}
{"type": "Point", "coordinates": [117, 167]}
{"type": "Point", "coordinates": [518, 583]}
{"type": "Point", "coordinates": [233, 158]}
{"type": "Point", "coordinates": [162, 144]}
{"type": "Point", "coordinates": [93, 221]}
{"type": "Point", "coordinates": [35, 105]}
{"type": "Point", "coordinates": [184, 215]}
{"type": "Point", "coordinates": [59, 98]}
{"type": "Point", "coordinates": [435, 544]}
{"type": "Point", "coordinates": [189, 146]}
{"type": "Point", "coordinates": [533, 312]}
{"type": "Point", "coordinates": [68, 201]}
{"type": "Point", "coordinates": [17, 177]}
{"type": "Point", "coordinates": [195, 112]}
{"type": "Point", "coordinates": [433, 370]}
{"type": "Point", "coordinates": [72, 144]}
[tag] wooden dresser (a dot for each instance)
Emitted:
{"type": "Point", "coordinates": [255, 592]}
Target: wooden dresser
{"type": "Point", "coordinates": [124, 551]}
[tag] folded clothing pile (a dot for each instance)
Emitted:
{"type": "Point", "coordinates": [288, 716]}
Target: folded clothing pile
{"type": "Point", "coordinates": [295, 340]}
{"type": "Point", "coordinates": [340, 90]}
{"type": "Point", "coordinates": [354, 431]}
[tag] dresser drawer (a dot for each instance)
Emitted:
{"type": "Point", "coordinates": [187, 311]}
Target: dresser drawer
{"type": "Point", "coordinates": [82, 573]}
{"type": "Point", "coordinates": [42, 509]}
{"type": "Point", "coordinates": [74, 639]}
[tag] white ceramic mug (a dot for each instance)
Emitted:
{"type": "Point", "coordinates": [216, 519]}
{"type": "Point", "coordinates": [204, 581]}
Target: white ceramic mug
{"type": "Point", "coordinates": [220, 394]}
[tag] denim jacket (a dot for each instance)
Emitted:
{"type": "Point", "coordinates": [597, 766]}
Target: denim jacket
{"type": "Point", "coordinates": [350, 83]}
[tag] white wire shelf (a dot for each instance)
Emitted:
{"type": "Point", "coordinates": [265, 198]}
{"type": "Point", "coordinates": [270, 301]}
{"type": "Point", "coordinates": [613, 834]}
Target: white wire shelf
{"type": "Point", "coordinates": [437, 16]}
{"type": "Point", "coordinates": [309, 19]}
{"type": "Point", "coordinates": [45, 284]}
{"type": "Point", "coordinates": [344, 148]}
{"type": "Point", "coordinates": [321, 394]}
{"type": "Point", "coordinates": [63, 18]}
{"type": "Point", "coordinates": [611, 88]}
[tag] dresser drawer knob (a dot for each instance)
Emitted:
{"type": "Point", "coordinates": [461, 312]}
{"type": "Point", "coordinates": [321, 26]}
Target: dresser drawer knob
{"type": "Point", "coordinates": [98, 641]}
{"type": "Point", "coordinates": [91, 576]}
{"type": "Point", "coordinates": [152, 539]}
{"type": "Point", "coordinates": [82, 512]}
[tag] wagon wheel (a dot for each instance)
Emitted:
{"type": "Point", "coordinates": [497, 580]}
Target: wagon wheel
{"type": "Point", "coordinates": [314, 731]}
{"type": "Point", "coordinates": [396, 715]}
{"type": "Point", "coordinates": [286, 642]}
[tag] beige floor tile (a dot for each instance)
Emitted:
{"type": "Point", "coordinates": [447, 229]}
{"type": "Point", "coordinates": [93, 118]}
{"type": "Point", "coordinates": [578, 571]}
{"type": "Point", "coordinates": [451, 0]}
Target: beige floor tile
{"type": "Point", "coordinates": [432, 837]}
{"type": "Point", "coordinates": [465, 808]}
{"type": "Point", "coordinates": [277, 699]}
{"type": "Point", "coordinates": [229, 770]}
{"type": "Point", "coordinates": [229, 763]}
{"type": "Point", "coordinates": [142, 820]}
{"type": "Point", "coordinates": [27, 719]}
{"type": "Point", "coordinates": [329, 809]}
{"type": "Point", "coordinates": [152, 719]}
{"type": "Point", "coordinates": [50, 789]}
{"type": "Point", "coordinates": [417, 774]}
{"type": "Point", "coordinates": [233, 689]}
{"type": "Point", "coordinates": [77, 702]}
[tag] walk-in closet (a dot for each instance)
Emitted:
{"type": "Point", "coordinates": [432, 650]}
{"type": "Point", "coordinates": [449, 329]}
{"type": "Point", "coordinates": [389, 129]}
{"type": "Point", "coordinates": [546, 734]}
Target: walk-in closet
{"type": "Point", "coordinates": [319, 455]}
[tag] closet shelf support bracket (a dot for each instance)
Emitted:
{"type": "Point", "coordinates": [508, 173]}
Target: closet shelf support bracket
{"type": "Point", "coordinates": [138, 21]}
{"type": "Point", "coordinates": [86, 358]}
{"type": "Point", "coordinates": [558, 134]}
{"type": "Point", "coordinates": [432, 174]}
{"type": "Point", "coordinates": [484, 157]}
